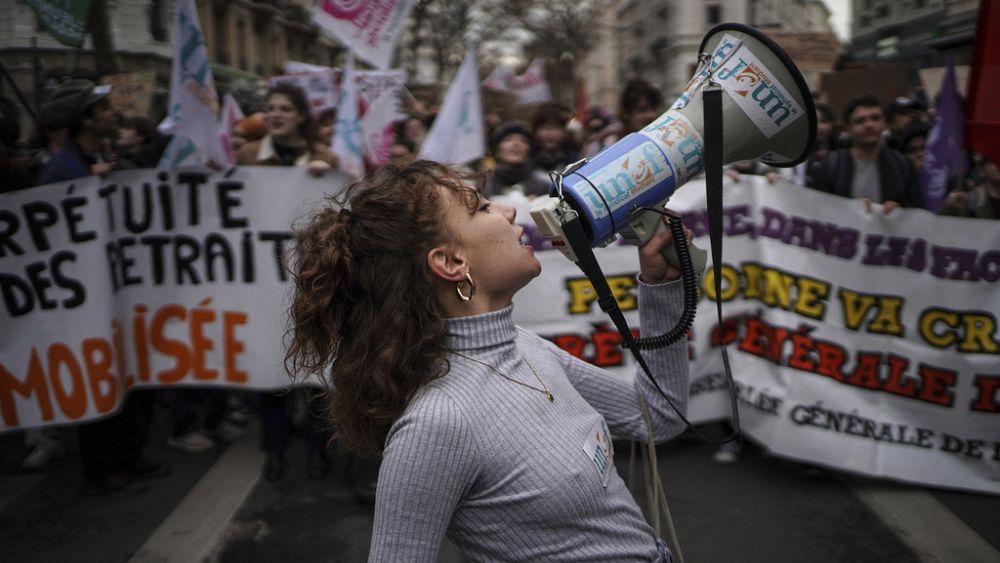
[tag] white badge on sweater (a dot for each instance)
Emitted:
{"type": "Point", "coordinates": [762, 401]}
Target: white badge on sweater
{"type": "Point", "coordinates": [599, 449]}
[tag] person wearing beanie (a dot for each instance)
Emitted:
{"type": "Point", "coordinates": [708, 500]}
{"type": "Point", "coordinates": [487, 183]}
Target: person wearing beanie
{"type": "Point", "coordinates": [82, 107]}
{"type": "Point", "coordinates": [515, 171]}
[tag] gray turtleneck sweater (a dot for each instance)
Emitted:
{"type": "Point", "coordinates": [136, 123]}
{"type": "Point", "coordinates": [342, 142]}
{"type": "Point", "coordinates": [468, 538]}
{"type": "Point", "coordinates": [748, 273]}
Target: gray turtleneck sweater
{"type": "Point", "coordinates": [509, 476]}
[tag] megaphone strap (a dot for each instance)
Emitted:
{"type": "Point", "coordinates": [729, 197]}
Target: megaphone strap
{"type": "Point", "coordinates": [712, 106]}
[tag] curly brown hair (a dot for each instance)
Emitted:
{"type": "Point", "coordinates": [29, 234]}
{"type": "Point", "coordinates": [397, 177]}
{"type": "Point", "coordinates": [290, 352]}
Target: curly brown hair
{"type": "Point", "coordinates": [364, 306]}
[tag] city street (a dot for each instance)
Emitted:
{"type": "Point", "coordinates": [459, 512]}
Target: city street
{"type": "Point", "coordinates": [215, 506]}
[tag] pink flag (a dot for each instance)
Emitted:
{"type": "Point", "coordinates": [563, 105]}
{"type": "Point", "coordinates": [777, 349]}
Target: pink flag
{"type": "Point", "coordinates": [370, 28]}
{"type": "Point", "coordinates": [231, 114]}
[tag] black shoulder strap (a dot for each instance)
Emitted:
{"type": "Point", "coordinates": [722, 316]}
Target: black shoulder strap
{"type": "Point", "coordinates": [712, 97]}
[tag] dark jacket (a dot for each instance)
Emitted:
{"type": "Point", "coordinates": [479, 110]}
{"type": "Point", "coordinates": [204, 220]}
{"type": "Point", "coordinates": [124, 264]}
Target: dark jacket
{"type": "Point", "coordinates": [69, 163]}
{"type": "Point", "coordinates": [897, 177]}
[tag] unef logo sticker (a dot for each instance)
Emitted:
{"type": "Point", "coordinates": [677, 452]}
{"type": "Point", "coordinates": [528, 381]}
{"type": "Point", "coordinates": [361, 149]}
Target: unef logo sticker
{"type": "Point", "coordinates": [762, 98]}
{"type": "Point", "coordinates": [681, 140]}
{"type": "Point", "coordinates": [721, 53]}
{"type": "Point", "coordinates": [621, 180]}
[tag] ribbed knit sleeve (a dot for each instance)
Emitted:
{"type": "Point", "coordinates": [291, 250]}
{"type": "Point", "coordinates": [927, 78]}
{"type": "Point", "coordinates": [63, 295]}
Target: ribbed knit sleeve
{"type": "Point", "coordinates": [428, 465]}
{"type": "Point", "coordinates": [617, 398]}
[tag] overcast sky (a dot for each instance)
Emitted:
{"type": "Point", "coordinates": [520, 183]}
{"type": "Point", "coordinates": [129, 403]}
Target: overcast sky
{"type": "Point", "coordinates": [840, 17]}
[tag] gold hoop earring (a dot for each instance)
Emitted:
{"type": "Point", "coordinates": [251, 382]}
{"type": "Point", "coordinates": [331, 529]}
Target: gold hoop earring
{"type": "Point", "coordinates": [472, 288]}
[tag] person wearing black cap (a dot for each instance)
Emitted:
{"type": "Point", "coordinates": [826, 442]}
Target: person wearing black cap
{"type": "Point", "coordinates": [901, 113]}
{"type": "Point", "coordinates": [515, 171]}
{"type": "Point", "coordinates": [84, 108]}
{"type": "Point", "coordinates": [111, 449]}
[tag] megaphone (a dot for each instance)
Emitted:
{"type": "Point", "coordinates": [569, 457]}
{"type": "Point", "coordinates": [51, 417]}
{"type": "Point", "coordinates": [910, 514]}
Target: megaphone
{"type": "Point", "coordinates": [767, 113]}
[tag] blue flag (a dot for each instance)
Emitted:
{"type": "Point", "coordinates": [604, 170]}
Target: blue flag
{"type": "Point", "coordinates": [943, 160]}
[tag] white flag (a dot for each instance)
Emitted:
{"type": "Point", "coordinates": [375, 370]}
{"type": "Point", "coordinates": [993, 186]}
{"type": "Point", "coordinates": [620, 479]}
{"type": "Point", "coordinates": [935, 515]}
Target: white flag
{"type": "Point", "coordinates": [193, 106]}
{"type": "Point", "coordinates": [370, 28]}
{"type": "Point", "coordinates": [457, 134]}
{"type": "Point", "coordinates": [378, 126]}
{"type": "Point", "coordinates": [347, 142]}
{"type": "Point", "coordinates": [231, 113]}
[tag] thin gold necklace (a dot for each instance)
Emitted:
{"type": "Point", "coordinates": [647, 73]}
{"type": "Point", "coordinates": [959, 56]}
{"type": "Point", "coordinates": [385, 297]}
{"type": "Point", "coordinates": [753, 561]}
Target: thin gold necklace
{"type": "Point", "coordinates": [544, 390]}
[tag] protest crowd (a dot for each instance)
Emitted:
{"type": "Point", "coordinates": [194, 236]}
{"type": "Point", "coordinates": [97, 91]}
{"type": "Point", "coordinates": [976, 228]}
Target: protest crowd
{"type": "Point", "coordinates": [79, 133]}
{"type": "Point", "coordinates": [873, 150]}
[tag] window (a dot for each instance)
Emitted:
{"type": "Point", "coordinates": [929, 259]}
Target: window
{"type": "Point", "coordinates": [157, 20]}
{"type": "Point", "coordinates": [713, 14]}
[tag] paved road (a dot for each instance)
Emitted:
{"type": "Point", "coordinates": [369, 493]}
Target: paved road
{"type": "Point", "coordinates": [214, 507]}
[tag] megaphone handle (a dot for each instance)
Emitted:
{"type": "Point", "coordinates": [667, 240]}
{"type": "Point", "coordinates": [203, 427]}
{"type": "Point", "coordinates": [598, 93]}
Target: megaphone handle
{"type": "Point", "coordinates": [699, 257]}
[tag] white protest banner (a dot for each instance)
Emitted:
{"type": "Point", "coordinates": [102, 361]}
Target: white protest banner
{"type": "Point", "coordinates": [347, 142]}
{"type": "Point", "coordinates": [144, 278]}
{"type": "Point", "coordinates": [457, 135]}
{"type": "Point", "coordinates": [320, 87]}
{"type": "Point", "coordinates": [859, 341]}
{"type": "Point", "coordinates": [369, 28]}
{"type": "Point", "coordinates": [231, 114]}
{"type": "Point", "coordinates": [378, 126]}
{"type": "Point", "coordinates": [193, 107]}
{"type": "Point", "coordinates": [530, 87]}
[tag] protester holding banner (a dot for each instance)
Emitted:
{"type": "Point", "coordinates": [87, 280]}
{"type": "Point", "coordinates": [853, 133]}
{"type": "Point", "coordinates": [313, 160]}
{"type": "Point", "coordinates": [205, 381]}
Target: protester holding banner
{"type": "Point", "coordinates": [868, 170]}
{"type": "Point", "coordinates": [139, 144]}
{"type": "Point", "coordinates": [84, 108]}
{"type": "Point", "coordinates": [291, 135]}
{"type": "Point", "coordinates": [489, 433]}
{"type": "Point", "coordinates": [980, 199]}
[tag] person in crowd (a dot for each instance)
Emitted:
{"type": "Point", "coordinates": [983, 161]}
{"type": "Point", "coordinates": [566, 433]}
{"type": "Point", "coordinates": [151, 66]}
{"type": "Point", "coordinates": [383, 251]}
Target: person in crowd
{"type": "Point", "coordinates": [247, 130]}
{"type": "Point", "coordinates": [200, 419]}
{"type": "Point", "coordinates": [17, 163]}
{"type": "Point", "coordinates": [133, 132]}
{"type": "Point", "coordinates": [826, 142]}
{"type": "Point", "coordinates": [868, 170]}
{"type": "Point", "coordinates": [481, 423]}
{"type": "Point", "coordinates": [111, 449]}
{"type": "Point", "coordinates": [640, 104]}
{"type": "Point", "coordinates": [326, 123]}
{"type": "Point", "coordinates": [913, 143]}
{"type": "Point", "coordinates": [514, 170]}
{"type": "Point", "coordinates": [402, 151]}
{"type": "Point", "coordinates": [290, 141]}
{"type": "Point", "coordinates": [981, 197]}
{"type": "Point", "coordinates": [900, 113]}
{"type": "Point", "coordinates": [412, 129]}
{"type": "Point", "coordinates": [90, 120]}
{"type": "Point", "coordinates": [291, 135]}
{"type": "Point", "coordinates": [139, 144]}
{"type": "Point", "coordinates": [555, 145]}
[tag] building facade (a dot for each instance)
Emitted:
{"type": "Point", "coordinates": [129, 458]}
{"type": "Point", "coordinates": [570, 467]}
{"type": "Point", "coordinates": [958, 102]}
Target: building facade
{"type": "Point", "coordinates": [658, 40]}
{"type": "Point", "coordinates": [922, 34]}
{"type": "Point", "coordinates": [246, 40]}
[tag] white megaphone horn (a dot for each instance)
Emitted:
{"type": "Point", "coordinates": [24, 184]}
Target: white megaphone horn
{"type": "Point", "coordinates": [767, 114]}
